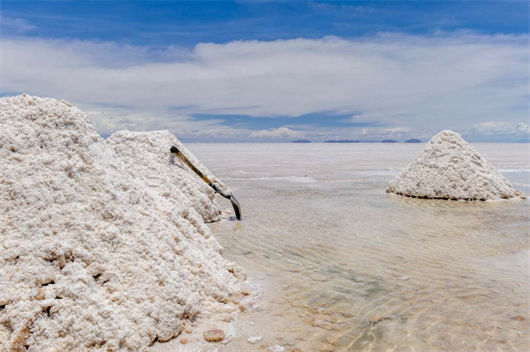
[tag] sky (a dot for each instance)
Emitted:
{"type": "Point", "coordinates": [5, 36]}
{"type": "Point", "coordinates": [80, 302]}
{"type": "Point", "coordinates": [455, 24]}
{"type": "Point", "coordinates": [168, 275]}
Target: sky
{"type": "Point", "coordinates": [276, 71]}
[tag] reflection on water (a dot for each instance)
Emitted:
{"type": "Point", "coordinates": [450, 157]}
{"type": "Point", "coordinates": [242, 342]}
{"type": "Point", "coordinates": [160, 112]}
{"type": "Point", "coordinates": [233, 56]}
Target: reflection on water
{"type": "Point", "coordinates": [347, 267]}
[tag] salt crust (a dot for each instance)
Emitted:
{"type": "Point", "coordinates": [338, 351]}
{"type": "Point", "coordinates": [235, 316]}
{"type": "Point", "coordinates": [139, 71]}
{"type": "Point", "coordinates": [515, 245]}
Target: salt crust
{"type": "Point", "coordinates": [103, 245]}
{"type": "Point", "coordinates": [146, 156]}
{"type": "Point", "coordinates": [450, 168]}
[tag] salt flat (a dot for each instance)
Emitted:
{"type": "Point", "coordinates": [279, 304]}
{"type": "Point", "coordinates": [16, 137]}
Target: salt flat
{"type": "Point", "coordinates": [347, 267]}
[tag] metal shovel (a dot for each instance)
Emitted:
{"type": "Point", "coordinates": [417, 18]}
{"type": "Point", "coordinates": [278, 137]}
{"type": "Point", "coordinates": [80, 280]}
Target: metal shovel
{"type": "Point", "coordinates": [237, 208]}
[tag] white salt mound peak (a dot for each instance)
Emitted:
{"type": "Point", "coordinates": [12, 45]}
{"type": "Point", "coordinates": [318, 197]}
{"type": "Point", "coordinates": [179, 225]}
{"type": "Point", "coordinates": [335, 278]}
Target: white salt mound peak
{"type": "Point", "coordinates": [103, 245]}
{"type": "Point", "coordinates": [450, 168]}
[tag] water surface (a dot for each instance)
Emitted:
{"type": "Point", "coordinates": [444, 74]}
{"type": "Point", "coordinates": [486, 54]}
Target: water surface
{"type": "Point", "coordinates": [347, 267]}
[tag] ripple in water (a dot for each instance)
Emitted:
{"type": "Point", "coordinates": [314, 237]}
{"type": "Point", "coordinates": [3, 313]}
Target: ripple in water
{"type": "Point", "coordinates": [347, 267]}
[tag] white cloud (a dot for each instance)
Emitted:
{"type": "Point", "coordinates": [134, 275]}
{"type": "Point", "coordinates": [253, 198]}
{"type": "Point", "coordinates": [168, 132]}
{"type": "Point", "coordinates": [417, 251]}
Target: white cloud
{"type": "Point", "coordinates": [422, 84]}
{"type": "Point", "coordinates": [279, 133]}
{"type": "Point", "coordinates": [523, 127]}
{"type": "Point", "coordinates": [501, 127]}
{"type": "Point", "coordinates": [397, 130]}
{"type": "Point", "coordinates": [492, 127]}
{"type": "Point", "coordinates": [15, 25]}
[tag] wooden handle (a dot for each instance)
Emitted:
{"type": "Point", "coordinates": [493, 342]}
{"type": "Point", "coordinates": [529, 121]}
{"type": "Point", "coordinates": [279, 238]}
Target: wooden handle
{"type": "Point", "coordinates": [185, 160]}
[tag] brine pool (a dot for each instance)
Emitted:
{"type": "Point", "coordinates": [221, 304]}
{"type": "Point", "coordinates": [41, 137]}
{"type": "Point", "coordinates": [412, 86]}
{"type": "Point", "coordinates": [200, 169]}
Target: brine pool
{"type": "Point", "coordinates": [346, 267]}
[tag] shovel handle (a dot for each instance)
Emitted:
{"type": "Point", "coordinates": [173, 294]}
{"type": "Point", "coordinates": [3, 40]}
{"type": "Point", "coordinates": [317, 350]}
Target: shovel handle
{"type": "Point", "coordinates": [174, 150]}
{"type": "Point", "coordinates": [237, 208]}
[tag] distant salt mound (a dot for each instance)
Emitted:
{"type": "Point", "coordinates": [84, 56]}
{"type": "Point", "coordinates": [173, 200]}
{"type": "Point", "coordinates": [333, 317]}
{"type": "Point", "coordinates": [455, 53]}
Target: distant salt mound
{"type": "Point", "coordinates": [100, 250]}
{"type": "Point", "coordinates": [450, 168]}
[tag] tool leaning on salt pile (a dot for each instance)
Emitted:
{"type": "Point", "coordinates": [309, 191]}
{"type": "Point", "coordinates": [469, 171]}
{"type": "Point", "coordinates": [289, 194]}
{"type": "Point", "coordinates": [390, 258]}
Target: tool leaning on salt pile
{"type": "Point", "coordinates": [237, 208]}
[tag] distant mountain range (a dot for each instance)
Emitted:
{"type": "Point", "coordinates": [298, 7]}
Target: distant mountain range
{"type": "Point", "coordinates": [359, 141]}
{"type": "Point", "coordinates": [349, 141]}
{"type": "Point", "coordinates": [342, 141]}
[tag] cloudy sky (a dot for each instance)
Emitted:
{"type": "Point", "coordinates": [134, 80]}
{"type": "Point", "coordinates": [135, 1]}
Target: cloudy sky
{"type": "Point", "coordinates": [265, 71]}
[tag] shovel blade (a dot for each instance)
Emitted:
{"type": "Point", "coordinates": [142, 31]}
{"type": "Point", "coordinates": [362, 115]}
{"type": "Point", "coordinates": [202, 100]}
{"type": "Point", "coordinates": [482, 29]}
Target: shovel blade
{"type": "Point", "coordinates": [237, 207]}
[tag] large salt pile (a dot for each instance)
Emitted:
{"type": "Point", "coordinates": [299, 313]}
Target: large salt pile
{"type": "Point", "coordinates": [450, 168]}
{"type": "Point", "coordinates": [92, 256]}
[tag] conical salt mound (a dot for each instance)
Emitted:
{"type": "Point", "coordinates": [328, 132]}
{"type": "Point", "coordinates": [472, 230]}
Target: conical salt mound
{"type": "Point", "coordinates": [450, 168]}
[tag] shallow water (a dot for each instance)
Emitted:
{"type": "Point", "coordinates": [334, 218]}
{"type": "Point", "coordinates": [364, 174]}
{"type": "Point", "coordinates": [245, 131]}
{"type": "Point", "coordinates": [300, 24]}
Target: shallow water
{"type": "Point", "coordinates": [347, 267]}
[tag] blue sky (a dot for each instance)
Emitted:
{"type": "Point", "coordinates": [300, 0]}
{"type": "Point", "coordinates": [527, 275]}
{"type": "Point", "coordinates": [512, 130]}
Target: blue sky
{"type": "Point", "coordinates": [277, 70]}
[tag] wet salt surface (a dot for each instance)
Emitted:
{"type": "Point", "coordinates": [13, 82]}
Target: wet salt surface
{"type": "Point", "coordinates": [346, 267]}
